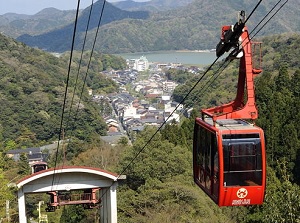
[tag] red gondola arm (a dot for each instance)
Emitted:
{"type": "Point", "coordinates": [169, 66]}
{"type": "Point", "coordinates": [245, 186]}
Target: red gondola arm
{"type": "Point", "coordinates": [238, 108]}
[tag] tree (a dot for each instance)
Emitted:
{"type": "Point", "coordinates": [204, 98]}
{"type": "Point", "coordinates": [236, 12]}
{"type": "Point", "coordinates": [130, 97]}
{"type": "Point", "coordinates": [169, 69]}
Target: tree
{"type": "Point", "coordinates": [281, 200]}
{"type": "Point", "coordinates": [295, 84]}
{"type": "Point", "coordinates": [123, 141]}
{"type": "Point", "coordinates": [282, 80]}
{"type": "Point", "coordinates": [9, 145]}
{"type": "Point", "coordinates": [73, 214]}
{"type": "Point", "coordinates": [5, 193]}
{"type": "Point", "coordinates": [23, 165]}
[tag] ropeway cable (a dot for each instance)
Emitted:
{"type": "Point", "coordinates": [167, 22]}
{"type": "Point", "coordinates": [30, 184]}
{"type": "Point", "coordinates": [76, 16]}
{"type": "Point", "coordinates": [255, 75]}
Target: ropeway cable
{"type": "Point", "coordinates": [218, 74]}
{"type": "Point", "coordinates": [75, 85]}
{"type": "Point", "coordinates": [66, 90]}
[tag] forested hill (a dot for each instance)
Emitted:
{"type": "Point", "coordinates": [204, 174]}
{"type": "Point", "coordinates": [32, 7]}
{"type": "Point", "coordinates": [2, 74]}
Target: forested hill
{"type": "Point", "coordinates": [195, 26]}
{"type": "Point", "coordinates": [49, 19]}
{"type": "Point", "coordinates": [153, 5]}
{"type": "Point", "coordinates": [60, 40]}
{"type": "Point", "coordinates": [15, 25]}
{"type": "Point", "coordinates": [32, 87]}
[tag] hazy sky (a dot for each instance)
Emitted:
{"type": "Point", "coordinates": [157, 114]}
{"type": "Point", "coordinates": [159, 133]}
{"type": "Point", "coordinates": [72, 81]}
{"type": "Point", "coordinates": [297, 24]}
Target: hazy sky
{"type": "Point", "coordinates": [31, 7]}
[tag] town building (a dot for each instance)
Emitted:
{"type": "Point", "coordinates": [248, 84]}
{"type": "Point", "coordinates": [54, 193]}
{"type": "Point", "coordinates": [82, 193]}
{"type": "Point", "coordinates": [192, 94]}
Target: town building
{"type": "Point", "coordinates": [140, 64]}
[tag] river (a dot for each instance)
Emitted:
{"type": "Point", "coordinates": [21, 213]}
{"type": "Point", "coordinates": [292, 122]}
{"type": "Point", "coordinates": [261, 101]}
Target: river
{"type": "Point", "coordinates": [197, 58]}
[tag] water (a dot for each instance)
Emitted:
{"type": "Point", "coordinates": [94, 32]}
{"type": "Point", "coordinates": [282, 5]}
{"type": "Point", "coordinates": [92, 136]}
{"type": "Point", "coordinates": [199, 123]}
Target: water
{"type": "Point", "coordinates": [184, 57]}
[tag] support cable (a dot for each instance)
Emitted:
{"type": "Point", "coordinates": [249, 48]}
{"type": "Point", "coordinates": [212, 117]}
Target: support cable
{"type": "Point", "coordinates": [100, 19]}
{"type": "Point", "coordinates": [218, 74]}
{"type": "Point", "coordinates": [66, 89]}
{"type": "Point", "coordinates": [92, 52]}
{"type": "Point", "coordinates": [181, 102]}
{"type": "Point", "coordinates": [80, 61]}
{"type": "Point", "coordinates": [88, 66]}
{"type": "Point", "coordinates": [253, 11]}
{"type": "Point", "coordinates": [269, 18]}
{"type": "Point", "coordinates": [76, 81]}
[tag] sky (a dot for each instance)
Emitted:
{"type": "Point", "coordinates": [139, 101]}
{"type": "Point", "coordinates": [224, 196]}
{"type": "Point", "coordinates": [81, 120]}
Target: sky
{"type": "Point", "coordinates": [30, 7]}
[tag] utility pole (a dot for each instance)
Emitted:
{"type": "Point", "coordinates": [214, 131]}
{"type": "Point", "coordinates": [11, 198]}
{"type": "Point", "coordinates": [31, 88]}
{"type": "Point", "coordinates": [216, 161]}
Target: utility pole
{"type": "Point", "coordinates": [7, 211]}
{"type": "Point", "coordinates": [42, 217]}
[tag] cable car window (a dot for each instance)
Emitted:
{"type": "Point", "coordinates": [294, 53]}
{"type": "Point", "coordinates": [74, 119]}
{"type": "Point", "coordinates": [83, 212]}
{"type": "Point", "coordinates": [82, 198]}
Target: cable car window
{"type": "Point", "coordinates": [242, 160]}
{"type": "Point", "coordinates": [206, 156]}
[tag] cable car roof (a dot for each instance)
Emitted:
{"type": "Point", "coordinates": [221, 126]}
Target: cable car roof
{"type": "Point", "coordinates": [231, 124]}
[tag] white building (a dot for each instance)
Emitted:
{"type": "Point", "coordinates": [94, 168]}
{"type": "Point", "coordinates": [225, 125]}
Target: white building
{"type": "Point", "coordinates": [141, 64]}
{"type": "Point", "coordinates": [169, 86]}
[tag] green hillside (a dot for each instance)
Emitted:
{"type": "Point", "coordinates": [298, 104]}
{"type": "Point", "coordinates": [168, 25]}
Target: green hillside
{"type": "Point", "coordinates": [59, 40]}
{"type": "Point", "coordinates": [32, 91]}
{"type": "Point", "coordinates": [195, 26]}
{"type": "Point", "coordinates": [153, 5]}
{"type": "Point", "coordinates": [15, 25]}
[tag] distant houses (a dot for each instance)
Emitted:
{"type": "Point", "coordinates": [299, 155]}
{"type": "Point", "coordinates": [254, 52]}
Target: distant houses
{"type": "Point", "coordinates": [155, 106]}
{"type": "Point", "coordinates": [34, 155]}
{"type": "Point", "coordinates": [135, 114]}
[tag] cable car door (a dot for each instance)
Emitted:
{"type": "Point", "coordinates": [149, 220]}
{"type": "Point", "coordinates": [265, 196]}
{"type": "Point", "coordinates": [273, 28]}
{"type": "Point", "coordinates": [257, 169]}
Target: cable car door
{"type": "Point", "coordinates": [215, 167]}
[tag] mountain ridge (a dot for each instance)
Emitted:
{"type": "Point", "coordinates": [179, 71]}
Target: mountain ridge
{"type": "Point", "coordinates": [194, 26]}
{"type": "Point", "coordinates": [59, 40]}
{"type": "Point", "coordinates": [153, 5]}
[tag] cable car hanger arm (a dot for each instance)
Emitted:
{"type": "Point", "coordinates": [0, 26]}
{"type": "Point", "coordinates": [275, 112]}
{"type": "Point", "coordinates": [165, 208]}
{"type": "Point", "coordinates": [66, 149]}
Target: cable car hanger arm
{"type": "Point", "coordinates": [237, 37]}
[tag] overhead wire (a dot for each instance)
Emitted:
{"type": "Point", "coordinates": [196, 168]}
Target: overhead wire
{"type": "Point", "coordinates": [90, 59]}
{"type": "Point", "coordinates": [250, 38]}
{"type": "Point", "coordinates": [265, 16]}
{"type": "Point", "coordinates": [92, 52]}
{"type": "Point", "coordinates": [88, 66]}
{"type": "Point", "coordinates": [264, 19]}
{"type": "Point", "coordinates": [256, 6]}
{"type": "Point", "coordinates": [66, 90]}
{"type": "Point", "coordinates": [89, 62]}
{"type": "Point", "coordinates": [213, 78]}
{"type": "Point", "coordinates": [270, 17]}
{"type": "Point", "coordinates": [80, 61]}
{"type": "Point", "coordinates": [74, 90]}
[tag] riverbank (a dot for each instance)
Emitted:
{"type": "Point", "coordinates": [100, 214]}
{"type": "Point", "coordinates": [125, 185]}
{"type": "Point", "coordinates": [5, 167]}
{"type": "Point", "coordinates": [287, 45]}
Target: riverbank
{"type": "Point", "coordinates": [196, 58]}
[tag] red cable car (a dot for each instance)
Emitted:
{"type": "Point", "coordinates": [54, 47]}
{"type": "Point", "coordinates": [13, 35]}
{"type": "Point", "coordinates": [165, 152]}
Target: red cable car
{"type": "Point", "coordinates": [229, 158]}
{"type": "Point", "coordinates": [39, 166]}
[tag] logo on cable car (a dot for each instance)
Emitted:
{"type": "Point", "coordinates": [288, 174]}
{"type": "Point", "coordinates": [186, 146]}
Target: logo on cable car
{"type": "Point", "coordinates": [242, 193]}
